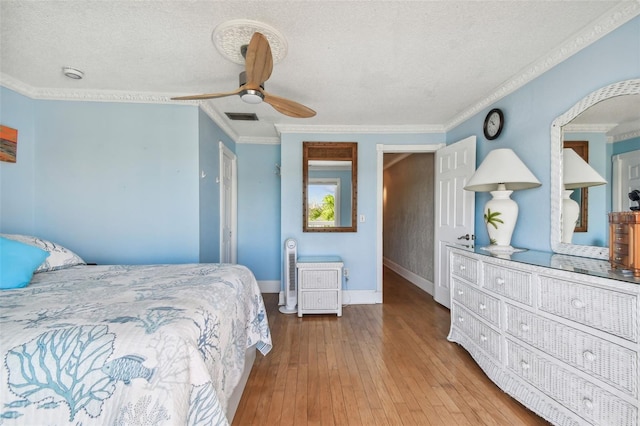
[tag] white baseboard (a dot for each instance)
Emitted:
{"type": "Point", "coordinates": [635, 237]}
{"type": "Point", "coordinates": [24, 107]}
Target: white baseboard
{"type": "Point", "coordinates": [414, 279]}
{"type": "Point", "coordinates": [269, 286]}
{"type": "Point", "coordinates": [351, 297]}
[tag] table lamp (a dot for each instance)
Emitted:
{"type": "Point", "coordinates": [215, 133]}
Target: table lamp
{"type": "Point", "coordinates": [576, 173]}
{"type": "Point", "coordinates": [501, 173]}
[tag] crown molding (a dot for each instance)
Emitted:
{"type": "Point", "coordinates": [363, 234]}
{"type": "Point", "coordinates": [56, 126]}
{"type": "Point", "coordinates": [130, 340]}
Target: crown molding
{"type": "Point", "coordinates": [613, 19]}
{"type": "Point", "coordinates": [589, 128]}
{"type": "Point", "coordinates": [259, 140]}
{"type": "Point", "coordinates": [626, 136]}
{"type": "Point", "coordinates": [347, 129]}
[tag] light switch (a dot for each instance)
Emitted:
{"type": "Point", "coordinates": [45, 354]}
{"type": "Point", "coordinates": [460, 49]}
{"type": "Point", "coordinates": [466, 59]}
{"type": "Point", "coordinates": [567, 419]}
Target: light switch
{"type": "Point", "coordinates": [362, 218]}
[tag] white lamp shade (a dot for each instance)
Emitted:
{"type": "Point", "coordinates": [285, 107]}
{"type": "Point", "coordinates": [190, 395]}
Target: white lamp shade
{"type": "Point", "coordinates": [502, 166]}
{"type": "Point", "coordinates": [577, 173]}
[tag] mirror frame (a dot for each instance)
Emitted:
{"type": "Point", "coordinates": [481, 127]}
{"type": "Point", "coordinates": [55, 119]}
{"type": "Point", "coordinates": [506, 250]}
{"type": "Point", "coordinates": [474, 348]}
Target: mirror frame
{"type": "Point", "coordinates": [330, 151]}
{"type": "Point", "coordinates": [626, 87]}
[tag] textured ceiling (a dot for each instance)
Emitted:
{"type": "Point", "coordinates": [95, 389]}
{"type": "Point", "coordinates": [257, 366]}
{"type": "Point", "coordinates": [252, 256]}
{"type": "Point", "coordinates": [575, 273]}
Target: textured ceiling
{"type": "Point", "coordinates": [394, 65]}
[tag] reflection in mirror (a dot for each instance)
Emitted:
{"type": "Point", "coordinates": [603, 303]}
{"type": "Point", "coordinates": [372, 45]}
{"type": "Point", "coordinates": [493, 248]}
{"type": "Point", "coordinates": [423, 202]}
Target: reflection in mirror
{"type": "Point", "coordinates": [329, 187]}
{"type": "Point", "coordinates": [609, 120]}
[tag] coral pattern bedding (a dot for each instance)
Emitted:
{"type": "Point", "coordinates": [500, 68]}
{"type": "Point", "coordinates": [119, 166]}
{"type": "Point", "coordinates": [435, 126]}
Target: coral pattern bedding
{"type": "Point", "coordinates": [116, 345]}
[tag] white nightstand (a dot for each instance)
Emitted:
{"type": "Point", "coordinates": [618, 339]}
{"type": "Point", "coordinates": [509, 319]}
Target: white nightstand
{"type": "Point", "coordinates": [319, 285]}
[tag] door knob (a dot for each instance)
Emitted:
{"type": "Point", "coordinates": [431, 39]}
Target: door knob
{"type": "Point", "coordinates": [465, 237]}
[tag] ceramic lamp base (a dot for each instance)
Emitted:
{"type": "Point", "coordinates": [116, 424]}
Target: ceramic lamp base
{"type": "Point", "coordinates": [570, 213]}
{"type": "Point", "coordinates": [500, 216]}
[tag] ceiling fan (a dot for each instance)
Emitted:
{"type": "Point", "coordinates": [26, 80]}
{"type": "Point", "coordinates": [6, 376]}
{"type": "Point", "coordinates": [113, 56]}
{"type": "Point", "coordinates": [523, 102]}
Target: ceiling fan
{"type": "Point", "coordinates": [258, 67]}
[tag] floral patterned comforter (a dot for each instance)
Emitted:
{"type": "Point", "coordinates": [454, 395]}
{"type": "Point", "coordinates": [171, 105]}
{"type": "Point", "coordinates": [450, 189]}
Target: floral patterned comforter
{"type": "Point", "coordinates": [116, 345]}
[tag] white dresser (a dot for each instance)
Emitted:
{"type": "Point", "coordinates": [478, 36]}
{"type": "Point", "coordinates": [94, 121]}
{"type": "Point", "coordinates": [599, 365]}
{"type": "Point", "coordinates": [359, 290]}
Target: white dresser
{"type": "Point", "coordinates": [319, 285]}
{"type": "Point", "coordinates": [560, 334]}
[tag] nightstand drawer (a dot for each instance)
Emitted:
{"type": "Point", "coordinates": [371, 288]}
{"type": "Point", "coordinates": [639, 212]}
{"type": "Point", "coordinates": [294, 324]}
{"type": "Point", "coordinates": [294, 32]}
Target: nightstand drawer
{"type": "Point", "coordinates": [482, 335]}
{"type": "Point", "coordinates": [515, 285]}
{"type": "Point", "coordinates": [477, 302]}
{"type": "Point", "coordinates": [607, 310]}
{"type": "Point", "coordinates": [464, 267]}
{"type": "Point", "coordinates": [583, 397]}
{"type": "Point", "coordinates": [600, 358]}
{"type": "Point", "coordinates": [319, 300]}
{"type": "Point", "coordinates": [318, 279]}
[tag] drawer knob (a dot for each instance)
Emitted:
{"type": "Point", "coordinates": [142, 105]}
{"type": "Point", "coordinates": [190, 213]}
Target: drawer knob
{"type": "Point", "coordinates": [500, 281]}
{"type": "Point", "coordinates": [524, 365]}
{"type": "Point", "coordinates": [460, 292]}
{"type": "Point", "coordinates": [483, 306]}
{"type": "Point", "coordinates": [619, 238]}
{"type": "Point", "coordinates": [460, 319]}
{"type": "Point", "coordinates": [462, 267]}
{"type": "Point", "coordinates": [524, 327]}
{"type": "Point", "coordinates": [587, 403]}
{"type": "Point", "coordinates": [577, 303]}
{"type": "Point", "coordinates": [589, 356]}
{"type": "Point", "coordinates": [483, 338]}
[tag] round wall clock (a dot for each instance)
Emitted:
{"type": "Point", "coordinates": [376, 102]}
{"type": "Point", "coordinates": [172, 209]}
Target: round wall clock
{"type": "Point", "coordinates": [493, 124]}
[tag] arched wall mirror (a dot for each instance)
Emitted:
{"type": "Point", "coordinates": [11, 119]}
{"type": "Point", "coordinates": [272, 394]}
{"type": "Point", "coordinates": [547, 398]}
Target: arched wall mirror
{"type": "Point", "coordinates": [329, 186]}
{"type": "Point", "coordinates": [603, 118]}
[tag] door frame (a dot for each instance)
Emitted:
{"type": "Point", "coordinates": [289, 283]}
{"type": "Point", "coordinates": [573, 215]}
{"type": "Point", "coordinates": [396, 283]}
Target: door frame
{"type": "Point", "coordinates": [233, 211]}
{"type": "Point", "coordinates": [381, 150]}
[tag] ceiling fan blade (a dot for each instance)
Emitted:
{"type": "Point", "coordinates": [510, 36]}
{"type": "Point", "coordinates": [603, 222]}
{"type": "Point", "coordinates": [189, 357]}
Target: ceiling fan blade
{"type": "Point", "coordinates": [208, 95]}
{"type": "Point", "coordinates": [259, 61]}
{"type": "Point", "coordinates": [288, 107]}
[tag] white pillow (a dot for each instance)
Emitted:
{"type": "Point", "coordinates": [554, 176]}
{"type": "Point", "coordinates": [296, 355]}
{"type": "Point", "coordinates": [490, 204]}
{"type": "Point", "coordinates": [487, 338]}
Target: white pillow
{"type": "Point", "coordinates": [59, 257]}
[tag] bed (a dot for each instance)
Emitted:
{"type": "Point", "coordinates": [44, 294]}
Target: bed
{"type": "Point", "coordinates": [141, 344]}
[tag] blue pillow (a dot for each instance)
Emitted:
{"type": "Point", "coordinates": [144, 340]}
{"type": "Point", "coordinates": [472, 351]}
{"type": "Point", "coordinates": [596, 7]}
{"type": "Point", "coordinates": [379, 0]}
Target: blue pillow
{"type": "Point", "coordinates": [17, 263]}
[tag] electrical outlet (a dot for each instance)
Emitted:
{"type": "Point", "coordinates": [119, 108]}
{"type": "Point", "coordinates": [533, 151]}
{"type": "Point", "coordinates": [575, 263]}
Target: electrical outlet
{"type": "Point", "coordinates": [345, 272]}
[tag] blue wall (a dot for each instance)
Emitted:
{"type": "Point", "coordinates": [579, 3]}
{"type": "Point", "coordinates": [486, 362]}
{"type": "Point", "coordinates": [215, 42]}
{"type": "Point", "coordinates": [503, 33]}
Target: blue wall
{"type": "Point", "coordinates": [259, 209]}
{"type": "Point", "coordinates": [90, 175]}
{"type": "Point", "coordinates": [529, 112]}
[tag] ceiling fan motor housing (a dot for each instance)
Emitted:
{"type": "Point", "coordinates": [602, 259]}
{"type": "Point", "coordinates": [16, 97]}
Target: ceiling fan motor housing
{"type": "Point", "coordinates": [250, 96]}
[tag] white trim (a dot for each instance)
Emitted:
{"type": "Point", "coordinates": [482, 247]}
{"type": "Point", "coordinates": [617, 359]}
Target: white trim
{"type": "Point", "coordinates": [310, 128]}
{"type": "Point", "coordinates": [349, 297]}
{"type": "Point", "coordinates": [259, 140]}
{"type": "Point", "coordinates": [270, 286]}
{"type": "Point", "coordinates": [420, 282]}
{"type": "Point", "coordinates": [381, 149]}
{"type": "Point", "coordinates": [234, 202]}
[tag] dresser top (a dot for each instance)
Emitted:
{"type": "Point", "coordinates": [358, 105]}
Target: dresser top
{"type": "Point", "coordinates": [581, 265]}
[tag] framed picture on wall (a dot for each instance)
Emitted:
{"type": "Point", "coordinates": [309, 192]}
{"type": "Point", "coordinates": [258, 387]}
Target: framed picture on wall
{"type": "Point", "coordinates": [8, 144]}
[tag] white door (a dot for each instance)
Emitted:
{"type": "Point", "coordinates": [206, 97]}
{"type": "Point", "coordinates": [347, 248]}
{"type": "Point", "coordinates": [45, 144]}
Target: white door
{"type": "Point", "coordinates": [626, 177]}
{"type": "Point", "coordinates": [455, 208]}
{"type": "Point", "coordinates": [228, 205]}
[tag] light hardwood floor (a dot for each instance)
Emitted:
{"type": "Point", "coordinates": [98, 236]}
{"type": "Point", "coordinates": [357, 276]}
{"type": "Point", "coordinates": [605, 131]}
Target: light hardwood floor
{"type": "Point", "coordinates": [386, 364]}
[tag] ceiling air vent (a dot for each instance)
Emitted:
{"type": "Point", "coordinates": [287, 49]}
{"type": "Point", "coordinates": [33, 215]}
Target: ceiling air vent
{"type": "Point", "coordinates": [242, 116]}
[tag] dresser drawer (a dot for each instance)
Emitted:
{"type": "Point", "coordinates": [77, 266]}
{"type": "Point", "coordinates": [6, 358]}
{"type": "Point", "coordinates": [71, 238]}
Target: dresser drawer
{"type": "Point", "coordinates": [483, 335]}
{"type": "Point", "coordinates": [600, 358]}
{"type": "Point", "coordinates": [319, 300]}
{"type": "Point", "coordinates": [515, 285]}
{"type": "Point", "coordinates": [621, 237]}
{"type": "Point", "coordinates": [620, 249]}
{"type": "Point", "coordinates": [477, 302]}
{"type": "Point", "coordinates": [318, 279]}
{"type": "Point", "coordinates": [603, 309]}
{"type": "Point", "coordinates": [586, 399]}
{"type": "Point", "coordinates": [464, 267]}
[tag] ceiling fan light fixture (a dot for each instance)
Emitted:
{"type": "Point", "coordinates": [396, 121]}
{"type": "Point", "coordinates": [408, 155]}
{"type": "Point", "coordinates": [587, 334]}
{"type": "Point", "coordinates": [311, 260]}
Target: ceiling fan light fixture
{"type": "Point", "coordinates": [251, 96]}
{"type": "Point", "coordinates": [72, 73]}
